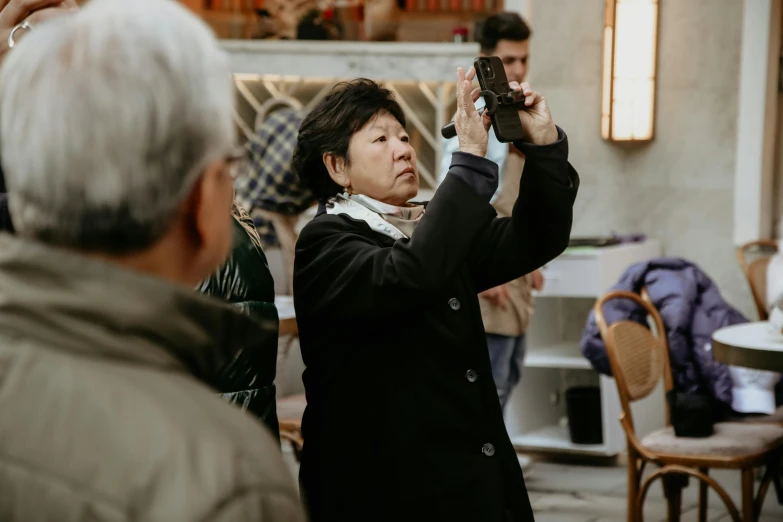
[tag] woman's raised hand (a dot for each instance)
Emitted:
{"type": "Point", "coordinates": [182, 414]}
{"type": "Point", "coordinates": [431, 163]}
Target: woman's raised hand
{"type": "Point", "coordinates": [535, 118]}
{"type": "Point", "coordinates": [14, 12]}
{"type": "Point", "coordinates": [472, 127]}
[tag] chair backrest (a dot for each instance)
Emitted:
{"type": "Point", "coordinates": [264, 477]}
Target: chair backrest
{"type": "Point", "coordinates": [638, 356]}
{"type": "Point", "coordinates": [753, 258]}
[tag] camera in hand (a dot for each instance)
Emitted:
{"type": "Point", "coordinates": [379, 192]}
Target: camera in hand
{"type": "Point", "coordinates": [502, 104]}
{"type": "Point", "coordinates": [485, 68]}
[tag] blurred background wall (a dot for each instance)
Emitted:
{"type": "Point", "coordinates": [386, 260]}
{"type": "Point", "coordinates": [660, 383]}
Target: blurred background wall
{"type": "Point", "coordinates": [679, 187]}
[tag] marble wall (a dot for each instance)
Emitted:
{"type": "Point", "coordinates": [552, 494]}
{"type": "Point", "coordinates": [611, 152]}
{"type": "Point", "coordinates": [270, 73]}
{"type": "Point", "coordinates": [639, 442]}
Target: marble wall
{"type": "Point", "coordinates": [679, 187]}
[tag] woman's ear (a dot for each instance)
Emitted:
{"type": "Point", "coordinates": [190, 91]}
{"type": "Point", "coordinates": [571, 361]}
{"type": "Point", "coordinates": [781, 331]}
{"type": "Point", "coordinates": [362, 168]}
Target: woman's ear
{"type": "Point", "coordinates": [337, 170]}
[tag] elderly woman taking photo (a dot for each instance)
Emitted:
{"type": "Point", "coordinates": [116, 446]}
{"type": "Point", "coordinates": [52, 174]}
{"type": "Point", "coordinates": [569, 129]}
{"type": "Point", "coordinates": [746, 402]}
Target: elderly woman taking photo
{"type": "Point", "coordinates": [403, 420]}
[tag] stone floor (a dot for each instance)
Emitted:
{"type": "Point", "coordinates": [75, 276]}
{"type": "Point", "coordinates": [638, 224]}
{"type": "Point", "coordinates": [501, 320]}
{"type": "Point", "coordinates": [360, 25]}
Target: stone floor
{"type": "Point", "coordinates": [589, 493]}
{"type": "Point", "coordinates": [597, 493]}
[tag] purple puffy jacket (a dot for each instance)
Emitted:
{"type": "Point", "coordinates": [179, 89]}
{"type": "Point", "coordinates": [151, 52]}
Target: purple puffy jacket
{"type": "Point", "coordinates": [691, 308]}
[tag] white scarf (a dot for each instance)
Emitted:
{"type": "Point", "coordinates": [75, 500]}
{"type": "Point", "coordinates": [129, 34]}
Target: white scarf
{"type": "Point", "coordinates": [372, 212]}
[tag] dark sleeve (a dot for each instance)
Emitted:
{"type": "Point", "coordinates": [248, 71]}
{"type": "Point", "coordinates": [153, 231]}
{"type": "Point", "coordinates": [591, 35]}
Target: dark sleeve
{"type": "Point", "coordinates": [479, 173]}
{"type": "Point", "coordinates": [340, 271]}
{"type": "Point", "coordinates": [540, 224]}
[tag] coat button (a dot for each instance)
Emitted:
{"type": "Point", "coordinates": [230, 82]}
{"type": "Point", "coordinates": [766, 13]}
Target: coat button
{"type": "Point", "coordinates": [454, 304]}
{"type": "Point", "coordinates": [488, 449]}
{"type": "Point", "coordinates": [471, 375]}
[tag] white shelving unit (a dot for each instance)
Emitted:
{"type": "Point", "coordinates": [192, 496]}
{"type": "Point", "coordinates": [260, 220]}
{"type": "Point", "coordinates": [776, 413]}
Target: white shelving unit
{"type": "Point", "coordinates": [536, 411]}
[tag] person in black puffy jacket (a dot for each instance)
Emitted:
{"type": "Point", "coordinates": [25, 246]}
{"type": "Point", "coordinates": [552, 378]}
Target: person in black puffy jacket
{"type": "Point", "coordinates": [246, 281]}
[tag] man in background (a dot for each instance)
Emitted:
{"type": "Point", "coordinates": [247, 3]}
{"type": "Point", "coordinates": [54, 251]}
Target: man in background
{"type": "Point", "coordinates": [505, 35]}
{"type": "Point", "coordinates": [506, 310]}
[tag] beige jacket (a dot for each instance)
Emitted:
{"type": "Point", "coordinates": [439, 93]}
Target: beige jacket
{"type": "Point", "coordinates": [102, 413]}
{"type": "Point", "coordinates": [514, 319]}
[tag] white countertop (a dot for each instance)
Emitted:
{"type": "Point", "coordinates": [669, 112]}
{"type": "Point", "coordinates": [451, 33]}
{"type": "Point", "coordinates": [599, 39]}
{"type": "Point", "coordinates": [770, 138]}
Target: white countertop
{"type": "Point", "coordinates": [337, 60]}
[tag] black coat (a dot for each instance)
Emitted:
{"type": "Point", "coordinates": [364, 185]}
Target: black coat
{"type": "Point", "coordinates": [403, 420]}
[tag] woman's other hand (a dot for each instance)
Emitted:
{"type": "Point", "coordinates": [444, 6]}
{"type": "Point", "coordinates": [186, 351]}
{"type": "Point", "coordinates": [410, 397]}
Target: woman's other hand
{"type": "Point", "coordinates": [472, 127]}
{"type": "Point", "coordinates": [535, 118]}
{"type": "Point", "coordinates": [14, 12]}
{"type": "Point", "coordinates": [498, 296]}
{"type": "Point", "coordinates": [538, 280]}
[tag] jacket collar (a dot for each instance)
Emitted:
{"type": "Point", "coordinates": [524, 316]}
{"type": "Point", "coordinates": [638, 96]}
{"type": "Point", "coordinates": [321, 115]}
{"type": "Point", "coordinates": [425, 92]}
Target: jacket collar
{"type": "Point", "coordinates": [78, 304]}
{"type": "Point", "coordinates": [359, 212]}
{"type": "Point", "coordinates": [366, 210]}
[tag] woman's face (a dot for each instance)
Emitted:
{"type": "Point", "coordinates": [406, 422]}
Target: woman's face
{"type": "Point", "coordinates": [382, 163]}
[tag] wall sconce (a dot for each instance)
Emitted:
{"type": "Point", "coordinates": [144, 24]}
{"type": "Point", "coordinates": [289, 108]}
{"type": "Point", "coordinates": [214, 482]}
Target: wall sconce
{"type": "Point", "coordinates": [630, 49]}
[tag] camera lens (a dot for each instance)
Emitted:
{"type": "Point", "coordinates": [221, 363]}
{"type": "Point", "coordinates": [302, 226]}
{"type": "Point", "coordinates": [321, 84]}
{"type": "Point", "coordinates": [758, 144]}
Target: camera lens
{"type": "Point", "coordinates": [486, 69]}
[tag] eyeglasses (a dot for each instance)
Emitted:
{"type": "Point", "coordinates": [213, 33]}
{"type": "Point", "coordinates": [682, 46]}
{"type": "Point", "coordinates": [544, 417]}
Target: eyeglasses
{"type": "Point", "coordinates": [236, 162]}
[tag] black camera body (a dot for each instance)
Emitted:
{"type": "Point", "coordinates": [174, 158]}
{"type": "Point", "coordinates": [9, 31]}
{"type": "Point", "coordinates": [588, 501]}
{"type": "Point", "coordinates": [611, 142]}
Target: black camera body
{"type": "Point", "coordinates": [505, 118]}
{"type": "Point", "coordinates": [502, 104]}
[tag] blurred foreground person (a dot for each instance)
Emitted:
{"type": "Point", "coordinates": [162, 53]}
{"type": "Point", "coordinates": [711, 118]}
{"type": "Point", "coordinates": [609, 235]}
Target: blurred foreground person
{"type": "Point", "coordinates": [247, 380]}
{"type": "Point", "coordinates": [117, 153]}
{"type": "Point", "coordinates": [386, 297]}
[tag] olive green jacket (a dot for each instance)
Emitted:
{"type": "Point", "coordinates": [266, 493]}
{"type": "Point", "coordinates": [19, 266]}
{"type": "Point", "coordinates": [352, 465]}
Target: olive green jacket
{"type": "Point", "coordinates": [104, 414]}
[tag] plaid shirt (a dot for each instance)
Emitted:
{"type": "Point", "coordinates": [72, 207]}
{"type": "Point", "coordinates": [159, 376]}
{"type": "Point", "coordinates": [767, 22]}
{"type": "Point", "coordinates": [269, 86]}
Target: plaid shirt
{"type": "Point", "coordinates": [269, 183]}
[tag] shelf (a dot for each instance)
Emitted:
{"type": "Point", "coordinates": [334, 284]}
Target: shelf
{"type": "Point", "coordinates": [590, 272]}
{"type": "Point", "coordinates": [565, 355]}
{"type": "Point", "coordinates": [387, 61]}
{"type": "Point", "coordinates": [557, 439]}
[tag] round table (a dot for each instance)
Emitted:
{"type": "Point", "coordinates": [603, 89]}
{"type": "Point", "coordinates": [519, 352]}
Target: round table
{"type": "Point", "coordinates": [751, 345]}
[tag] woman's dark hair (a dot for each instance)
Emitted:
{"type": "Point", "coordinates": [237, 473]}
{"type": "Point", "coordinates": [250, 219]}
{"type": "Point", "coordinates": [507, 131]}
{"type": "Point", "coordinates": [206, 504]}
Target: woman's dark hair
{"type": "Point", "coordinates": [502, 26]}
{"type": "Point", "coordinates": [330, 125]}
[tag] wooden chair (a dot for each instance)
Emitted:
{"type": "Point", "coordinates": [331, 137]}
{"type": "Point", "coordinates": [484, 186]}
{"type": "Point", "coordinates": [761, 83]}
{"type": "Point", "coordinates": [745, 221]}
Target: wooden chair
{"type": "Point", "coordinates": [291, 409]}
{"type": "Point", "coordinates": [753, 258]}
{"type": "Point", "coordinates": [639, 357]}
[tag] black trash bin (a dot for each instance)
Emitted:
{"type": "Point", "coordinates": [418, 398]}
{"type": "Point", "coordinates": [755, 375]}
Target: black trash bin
{"type": "Point", "coordinates": [583, 408]}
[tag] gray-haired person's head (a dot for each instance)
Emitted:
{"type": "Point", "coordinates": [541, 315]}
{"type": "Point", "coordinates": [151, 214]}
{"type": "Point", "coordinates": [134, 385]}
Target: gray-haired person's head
{"type": "Point", "coordinates": [116, 127]}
